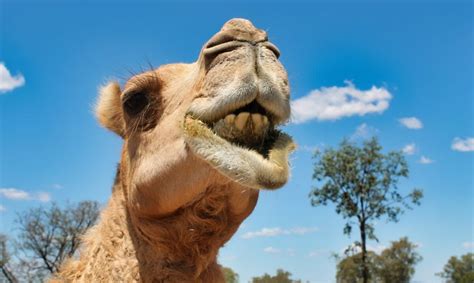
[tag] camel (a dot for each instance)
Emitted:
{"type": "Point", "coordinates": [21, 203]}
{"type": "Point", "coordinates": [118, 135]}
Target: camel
{"type": "Point", "coordinates": [199, 142]}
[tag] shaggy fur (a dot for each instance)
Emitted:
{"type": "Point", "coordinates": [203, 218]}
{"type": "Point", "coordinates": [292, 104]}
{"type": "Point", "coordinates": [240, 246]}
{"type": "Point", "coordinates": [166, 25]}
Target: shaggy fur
{"type": "Point", "coordinates": [182, 191]}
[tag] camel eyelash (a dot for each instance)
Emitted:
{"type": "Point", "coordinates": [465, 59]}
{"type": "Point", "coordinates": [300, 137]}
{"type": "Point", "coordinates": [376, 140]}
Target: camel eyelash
{"type": "Point", "coordinates": [145, 83]}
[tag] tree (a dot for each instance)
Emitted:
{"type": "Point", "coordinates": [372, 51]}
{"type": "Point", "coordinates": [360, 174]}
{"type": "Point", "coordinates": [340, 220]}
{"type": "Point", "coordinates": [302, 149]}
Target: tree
{"type": "Point", "coordinates": [230, 275]}
{"type": "Point", "coordinates": [394, 264]}
{"type": "Point", "coordinates": [5, 260]}
{"type": "Point", "coordinates": [349, 269]}
{"type": "Point", "coordinates": [49, 235]}
{"type": "Point", "coordinates": [282, 276]}
{"type": "Point", "coordinates": [459, 270]}
{"type": "Point", "coordinates": [362, 183]}
{"type": "Point", "coordinates": [397, 263]}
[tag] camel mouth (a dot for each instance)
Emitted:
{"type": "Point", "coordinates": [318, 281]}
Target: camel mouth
{"type": "Point", "coordinates": [244, 145]}
{"type": "Point", "coordinates": [249, 126]}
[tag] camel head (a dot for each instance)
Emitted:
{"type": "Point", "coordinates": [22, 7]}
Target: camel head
{"type": "Point", "coordinates": [212, 122]}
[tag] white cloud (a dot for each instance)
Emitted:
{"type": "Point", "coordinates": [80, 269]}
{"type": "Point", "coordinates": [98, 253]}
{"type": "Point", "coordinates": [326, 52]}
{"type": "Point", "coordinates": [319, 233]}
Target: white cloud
{"type": "Point", "coordinates": [378, 249]}
{"type": "Point", "coordinates": [463, 144]}
{"type": "Point", "coordinates": [468, 245]}
{"type": "Point", "coordinates": [301, 230]}
{"type": "Point", "coordinates": [314, 254]}
{"type": "Point", "coordinates": [57, 186]}
{"type": "Point", "coordinates": [332, 103]}
{"type": "Point", "coordinates": [7, 81]}
{"type": "Point", "coordinates": [409, 149]}
{"type": "Point", "coordinates": [363, 131]}
{"type": "Point", "coordinates": [17, 194]}
{"type": "Point", "coordinates": [357, 249]}
{"type": "Point", "coordinates": [2, 208]}
{"type": "Point", "coordinates": [43, 197]}
{"type": "Point", "coordinates": [277, 231]}
{"type": "Point", "coordinates": [425, 160]}
{"type": "Point", "coordinates": [272, 250]}
{"type": "Point", "coordinates": [411, 123]}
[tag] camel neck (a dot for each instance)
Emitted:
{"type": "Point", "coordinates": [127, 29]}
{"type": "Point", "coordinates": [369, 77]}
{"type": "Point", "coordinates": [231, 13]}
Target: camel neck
{"type": "Point", "coordinates": [184, 245]}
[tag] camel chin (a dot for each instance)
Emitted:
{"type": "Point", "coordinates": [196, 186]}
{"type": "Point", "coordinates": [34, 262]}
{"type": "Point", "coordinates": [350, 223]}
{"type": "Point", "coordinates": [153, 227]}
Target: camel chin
{"type": "Point", "coordinates": [246, 147]}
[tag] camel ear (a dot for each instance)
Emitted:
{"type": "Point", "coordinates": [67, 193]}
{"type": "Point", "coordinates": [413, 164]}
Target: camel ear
{"type": "Point", "coordinates": [108, 109]}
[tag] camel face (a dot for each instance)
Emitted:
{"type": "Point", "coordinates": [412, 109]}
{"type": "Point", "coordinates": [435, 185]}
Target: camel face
{"type": "Point", "coordinates": [242, 95]}
{"type": "Point", "coordinates": [210, 122]}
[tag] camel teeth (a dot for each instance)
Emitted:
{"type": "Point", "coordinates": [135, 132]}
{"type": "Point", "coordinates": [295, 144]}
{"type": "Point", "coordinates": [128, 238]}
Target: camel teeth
{"type": "Point", "coordinates": [229, 119]}
{"type": "Point", "coordinates": [257, 122]}
{"type": "Point", "coordinates": [241, 120]}
{"type": "Point", "coordinates": [265, 120]}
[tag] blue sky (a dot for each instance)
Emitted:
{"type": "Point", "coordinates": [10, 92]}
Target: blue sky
{"type": "Point", "coordinates": [414, 60]}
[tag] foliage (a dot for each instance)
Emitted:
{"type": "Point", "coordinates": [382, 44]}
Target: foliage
{"type": "Point", "coordinates": [349, 269]}
{"type": "Point", "coordinates": [394, 264]}
{"type": "Point", "coordinates": [47, 236]}
{"type": "Point", "coordinates": [459, 270]}
{"type": "Point", "coordinates": [362, 183]}
{"type": "Point", "coordinates": [397, 263]}
{"type": "Point", "coordinates": [281, 276]}
{"type": "Point", "coordinates": [230, 275]}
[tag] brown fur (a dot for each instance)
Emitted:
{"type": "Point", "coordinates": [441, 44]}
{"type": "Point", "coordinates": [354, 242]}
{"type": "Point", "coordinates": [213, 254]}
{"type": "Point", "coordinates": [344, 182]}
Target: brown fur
{"type": "Point", "coordinates": [171, 208]}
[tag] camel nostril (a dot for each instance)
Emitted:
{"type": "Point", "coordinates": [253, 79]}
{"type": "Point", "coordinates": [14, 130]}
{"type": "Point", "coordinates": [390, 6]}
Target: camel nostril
{"type": "Point", "coordinates": [219, 39]}
{"type": "Point", "coordinates": [215, 48]}
{"type": "Point", "coordinates": [222, 47]}
{"type": "Point", "coordinates": [273, 48]}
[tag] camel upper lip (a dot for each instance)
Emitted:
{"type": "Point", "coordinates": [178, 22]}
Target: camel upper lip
{"type": "Point", "coordinates": [252, 108]}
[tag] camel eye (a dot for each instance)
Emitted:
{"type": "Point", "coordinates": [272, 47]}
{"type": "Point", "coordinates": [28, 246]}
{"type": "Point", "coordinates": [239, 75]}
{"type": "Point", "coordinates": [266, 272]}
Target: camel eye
{"type": "Point", "coordinates": [135, 103]}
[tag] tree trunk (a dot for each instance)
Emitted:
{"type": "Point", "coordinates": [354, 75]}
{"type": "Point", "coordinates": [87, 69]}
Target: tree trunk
{"type": "Point", "coordinates": [365, 270]}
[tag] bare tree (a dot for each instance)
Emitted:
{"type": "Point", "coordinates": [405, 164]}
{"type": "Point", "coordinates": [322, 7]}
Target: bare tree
{"type": "Point", "coordinates": [47, 236]}
{"type": "Point", "coordinates": [5, 260]}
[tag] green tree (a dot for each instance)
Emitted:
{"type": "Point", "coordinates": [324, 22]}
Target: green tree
{"type": "Point", "coordinates": [230, 275]}
{"type": "Point", "coordinates": [281, 276]}
{"type": "Point", "coordinates": [362, 183]}
{"type": "Point", "coordinates": [459, 270]}
{"type": "Point", "coordinates": [349, 269]}
{"type": "Point", "coordinates": [397, 263]}
{"type": "Point", "coordinates": [394, 265]}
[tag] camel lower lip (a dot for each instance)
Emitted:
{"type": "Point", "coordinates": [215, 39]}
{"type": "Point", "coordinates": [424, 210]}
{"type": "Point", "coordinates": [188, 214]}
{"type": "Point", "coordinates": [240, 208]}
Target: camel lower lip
{"type": "Point", "coordinates": [263, 167]}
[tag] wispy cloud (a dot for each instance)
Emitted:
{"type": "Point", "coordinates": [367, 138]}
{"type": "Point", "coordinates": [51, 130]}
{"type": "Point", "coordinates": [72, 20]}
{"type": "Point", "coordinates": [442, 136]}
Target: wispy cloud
{"type": "Point", "coordinates": [425, 160]}
{"type": "Point", "coordinates": [364, 131]}
{"type": "Point", "coordinates": [463, 145]}
{"type": "Point", "coordinates": [468, 245]}
{"type": "Point", "coordinates": [411, 123]}
{"type": "Point", "coordinates": [409, 149]}
{"type": "Point", "coordinates": [2, 208]}
{"type": "Point", "coordinates": [17, 194]}
{"type": "Point", "coordinates": [272, 250]}
{"type": "Point", "coordinates": [277, 231]}
{"type": "Point", "coordinates": [57, 186]}
{"type": "Point", "coordinates": [335, 102]}
{"type": "Point", "coordinates": [43, 197]}
{"type": "Point", "coordinates": [314, 253]}
{"type": "Point", "coordinates": [7, 81]}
